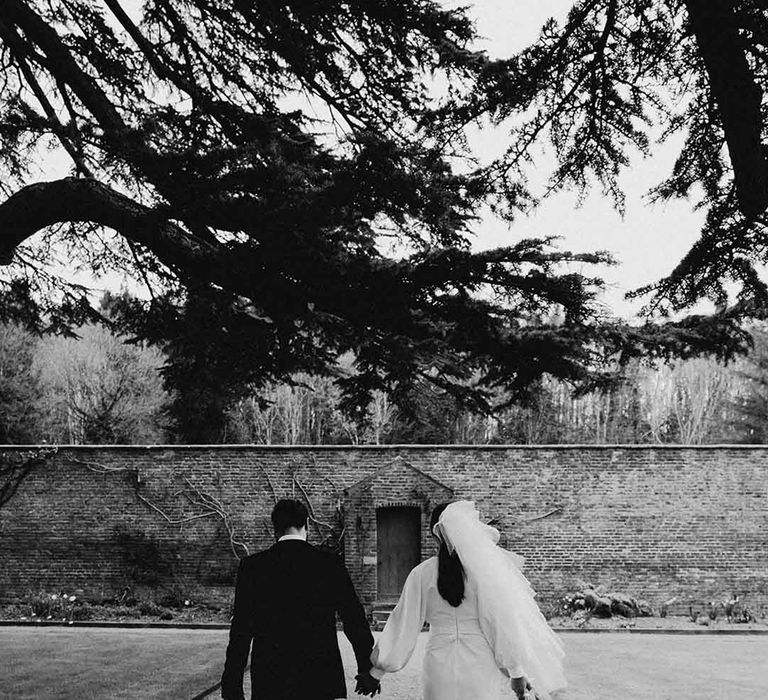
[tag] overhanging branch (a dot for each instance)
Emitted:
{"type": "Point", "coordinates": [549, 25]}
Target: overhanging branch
{"type": "Point", "coordinates": [44, 204]}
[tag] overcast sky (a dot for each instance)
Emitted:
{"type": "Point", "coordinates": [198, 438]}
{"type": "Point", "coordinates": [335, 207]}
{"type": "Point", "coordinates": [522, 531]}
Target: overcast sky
{"type": "Point", "coordinates": [648, 240]}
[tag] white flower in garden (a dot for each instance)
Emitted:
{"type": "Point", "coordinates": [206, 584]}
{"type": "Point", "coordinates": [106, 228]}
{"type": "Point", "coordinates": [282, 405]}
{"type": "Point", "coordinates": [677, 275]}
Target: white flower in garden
{"type": "Point", "coordinates": [186, 602]}
{"type": "Point", "coordinates": [54, 596]}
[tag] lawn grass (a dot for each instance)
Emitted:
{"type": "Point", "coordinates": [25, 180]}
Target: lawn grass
{"type": "Point", "coordinates": [139, 664]}
{"type": "Point", "coordinates": [666, 667]}
{"type": "Point", "coordinates": [119, 664]}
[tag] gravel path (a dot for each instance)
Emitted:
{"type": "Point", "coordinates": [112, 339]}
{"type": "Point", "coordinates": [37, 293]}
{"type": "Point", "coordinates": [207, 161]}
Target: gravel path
{"type": "Point", "coordinates": [405, 685]}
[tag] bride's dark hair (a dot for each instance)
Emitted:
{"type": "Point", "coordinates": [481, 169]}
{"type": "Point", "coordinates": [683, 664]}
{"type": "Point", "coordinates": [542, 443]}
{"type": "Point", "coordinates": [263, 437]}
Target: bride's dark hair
{"type": "Point", "coordinates": [450, 572]}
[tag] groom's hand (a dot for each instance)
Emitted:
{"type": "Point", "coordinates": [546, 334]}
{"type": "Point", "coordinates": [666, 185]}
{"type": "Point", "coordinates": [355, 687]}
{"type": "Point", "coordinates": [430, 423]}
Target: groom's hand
{"type": "Point", "coordinates": [367, 684]}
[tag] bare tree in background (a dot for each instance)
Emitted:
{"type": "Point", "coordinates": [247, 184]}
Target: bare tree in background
{"type": "Point", "coordinates": [305, 411]}
{"type": "Point", "coordinates": [97, 389]}
{"type": "Point", "coordinates": [689, 402]}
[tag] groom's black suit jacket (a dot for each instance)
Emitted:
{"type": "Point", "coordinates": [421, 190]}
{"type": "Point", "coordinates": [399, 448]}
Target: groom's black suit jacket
{"type": "Point", "coordinates": [286, 601]}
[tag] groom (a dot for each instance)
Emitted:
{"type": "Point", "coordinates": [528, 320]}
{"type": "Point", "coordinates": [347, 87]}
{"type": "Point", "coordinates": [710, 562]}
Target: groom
{"type": "Point", "coordinates": [286, 601]}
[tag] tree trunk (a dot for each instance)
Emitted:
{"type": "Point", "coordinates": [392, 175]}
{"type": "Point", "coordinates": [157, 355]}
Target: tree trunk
{"type": "Point", "coordinates": [738, 98]}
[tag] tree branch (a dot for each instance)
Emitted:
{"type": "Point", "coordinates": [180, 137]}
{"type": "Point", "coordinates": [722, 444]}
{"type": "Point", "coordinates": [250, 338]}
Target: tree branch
{"type": "Point", "coordinates": [43, 204]}
{"type": "Point", "coordinates": [20, 52]}
{"type": "Point", "coordinates": [58, 61]}
{"type": "Point", "coordinates": [738, 98]}
{"type": "Point", "coordinates": [19, 14]}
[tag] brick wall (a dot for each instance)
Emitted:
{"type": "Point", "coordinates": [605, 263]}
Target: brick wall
{"type": "Point", "coordinates": [655, 522]}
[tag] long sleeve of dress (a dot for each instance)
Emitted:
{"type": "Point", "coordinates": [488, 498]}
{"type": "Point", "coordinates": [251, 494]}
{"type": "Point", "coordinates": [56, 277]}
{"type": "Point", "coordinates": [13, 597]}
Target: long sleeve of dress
{"type": "Point", "coordinates": [396, 643]}
{"type": "Point", "coordinates": [507, 656]}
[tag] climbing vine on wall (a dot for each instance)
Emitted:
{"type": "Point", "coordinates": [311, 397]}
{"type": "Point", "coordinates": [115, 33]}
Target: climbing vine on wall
{"type": "Point", "coordinates": [329, 532]}
{"type": "Point", "coordinates": [204, 504]}
{"type": "Point", "coordinates": [198, 503]}
{"type": "Point", "coordinates": [16, 465]}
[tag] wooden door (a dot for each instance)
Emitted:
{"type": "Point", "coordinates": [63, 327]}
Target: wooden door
{"type": "Point", "coordinates": [399, 548]}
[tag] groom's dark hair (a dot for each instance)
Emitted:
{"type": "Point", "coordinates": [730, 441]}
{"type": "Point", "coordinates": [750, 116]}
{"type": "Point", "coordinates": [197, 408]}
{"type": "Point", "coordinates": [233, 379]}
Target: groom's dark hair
{"type": "Point", "coordinates": [288, 513]}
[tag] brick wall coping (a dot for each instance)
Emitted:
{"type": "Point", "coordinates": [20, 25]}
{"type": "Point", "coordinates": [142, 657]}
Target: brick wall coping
{"type": "Point", "coordinates": [390, 448]}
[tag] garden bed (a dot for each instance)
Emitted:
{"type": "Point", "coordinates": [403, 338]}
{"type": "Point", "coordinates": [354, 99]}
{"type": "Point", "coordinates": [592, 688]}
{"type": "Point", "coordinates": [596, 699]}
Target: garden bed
{"type": "Point", "coordinates": [658, 624]}
{"type": "Point", "coordinates": [71, 608]}
{"type": "Point", "coordinates": [53, 607]}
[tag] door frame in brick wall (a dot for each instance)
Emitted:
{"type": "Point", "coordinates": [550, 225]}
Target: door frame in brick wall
{"type": "Point", "coordinates": [396, 484]}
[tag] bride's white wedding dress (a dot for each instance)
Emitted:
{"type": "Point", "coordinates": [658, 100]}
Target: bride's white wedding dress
{"type": "Point", "coordinates": [459, 663]}
{"type": "Point", "coordinates": [497, 626]}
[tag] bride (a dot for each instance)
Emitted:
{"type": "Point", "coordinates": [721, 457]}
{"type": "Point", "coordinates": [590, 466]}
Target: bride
{"type": "Point", "coordinates": [488, 638]}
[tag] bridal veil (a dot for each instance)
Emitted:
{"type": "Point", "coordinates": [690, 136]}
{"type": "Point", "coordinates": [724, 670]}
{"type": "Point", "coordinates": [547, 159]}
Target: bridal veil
{"type": "Point", "coordinates": [520, 634]}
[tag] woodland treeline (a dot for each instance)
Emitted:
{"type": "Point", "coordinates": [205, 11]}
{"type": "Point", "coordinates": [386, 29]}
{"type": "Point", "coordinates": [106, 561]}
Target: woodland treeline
{"type": "Point", "coordinates": [96, 388]}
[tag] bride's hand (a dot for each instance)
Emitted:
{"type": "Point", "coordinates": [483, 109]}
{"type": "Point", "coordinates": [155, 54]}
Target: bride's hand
{"type": "Point", "coordinates": [519, 686]}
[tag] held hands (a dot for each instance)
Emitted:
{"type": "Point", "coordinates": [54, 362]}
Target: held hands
{"type": "Point", "coordinates": [367, 684]}
{"type": "Point", "coordinates": [523, 689]}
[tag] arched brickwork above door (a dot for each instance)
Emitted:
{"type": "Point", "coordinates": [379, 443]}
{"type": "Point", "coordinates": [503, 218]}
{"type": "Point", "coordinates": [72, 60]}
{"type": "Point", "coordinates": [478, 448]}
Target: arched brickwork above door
{"type": "Point", "coordinates": [398, 486]}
